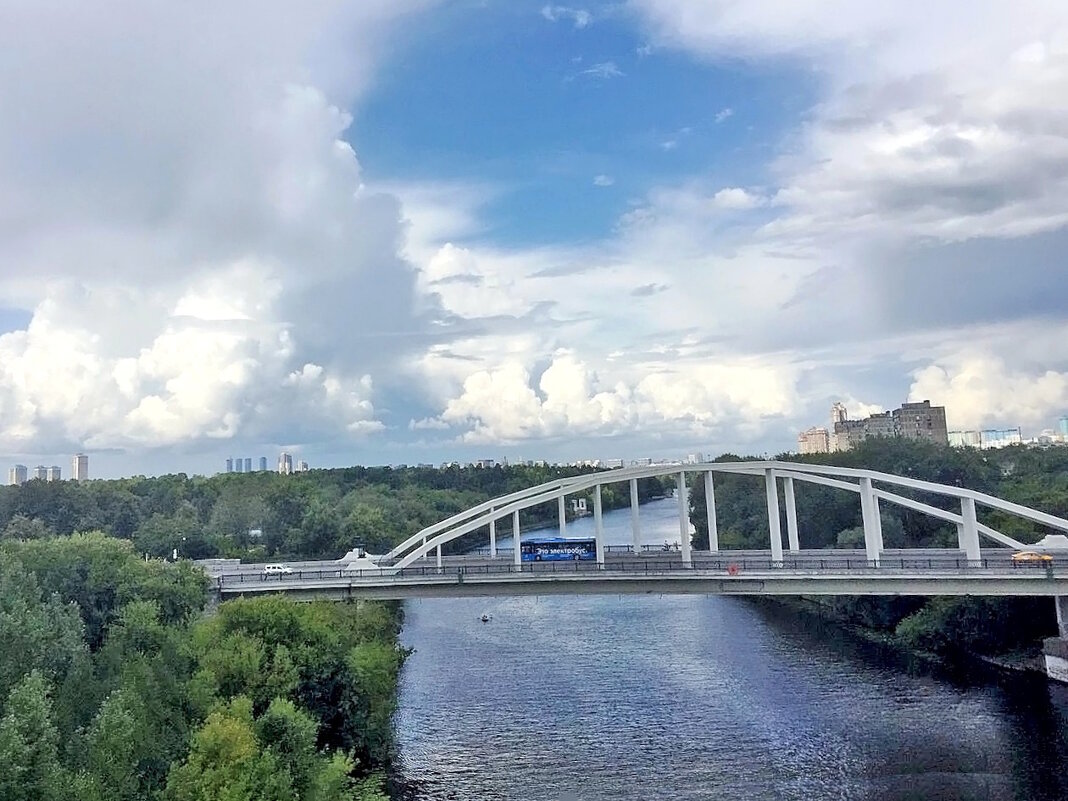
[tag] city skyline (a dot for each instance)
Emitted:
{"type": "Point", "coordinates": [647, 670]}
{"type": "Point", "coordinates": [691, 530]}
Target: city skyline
{"type": "Point", "coordinates": [410, 231]}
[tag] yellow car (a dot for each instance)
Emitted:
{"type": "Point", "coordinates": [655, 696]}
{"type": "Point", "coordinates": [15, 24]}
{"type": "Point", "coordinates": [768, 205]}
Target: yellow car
{"type": "Point", "coordinates": [1031, 556]}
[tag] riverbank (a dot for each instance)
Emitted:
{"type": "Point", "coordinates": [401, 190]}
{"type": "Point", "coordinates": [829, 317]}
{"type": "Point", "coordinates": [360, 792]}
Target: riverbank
{"type": "Point", "coordinates": [1027, 661]}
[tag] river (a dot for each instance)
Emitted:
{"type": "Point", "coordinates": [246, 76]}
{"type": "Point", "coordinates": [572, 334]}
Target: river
{"type": "Point", "coordinates": [687, 697]}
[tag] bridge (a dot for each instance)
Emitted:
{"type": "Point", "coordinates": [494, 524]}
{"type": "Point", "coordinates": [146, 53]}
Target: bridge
{"type": "Point", "coordinates": [417, 568]}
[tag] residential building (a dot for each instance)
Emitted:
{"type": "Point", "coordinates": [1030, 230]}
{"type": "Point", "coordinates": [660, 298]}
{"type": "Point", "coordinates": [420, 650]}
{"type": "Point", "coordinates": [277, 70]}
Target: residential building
{"type": "Point", "coordinates": [285, 463]}
{"type": "Point", "coordinates": [965, 439]}
{"type": "Point", "coordinates": [17, 475]}
{"type": "Point", "coordinates": [485, 463]}
{"type": "Point", "coordinates": [248, 464]}
{"type": "Point", "coordinates": [53, 473]}
{"type": "Point", "coordinates": [79, 467]}
{"type": "Point", "coordinates": [263, 463]}
{"type": "Point", "coordinates": [40, 472]}
{"type": "Point", "coordinates": [229, 465]}
{"type": "Point", "coordinates": [914, 421]}
{"type": "Point", "coordinates": [1000, 438]}
{"type": "Point", "coordinates": [1062, 428]}
{"type": "Point", "coordinates": [814, 440]}
{"type": "Point", "coordinates": [921, 421]}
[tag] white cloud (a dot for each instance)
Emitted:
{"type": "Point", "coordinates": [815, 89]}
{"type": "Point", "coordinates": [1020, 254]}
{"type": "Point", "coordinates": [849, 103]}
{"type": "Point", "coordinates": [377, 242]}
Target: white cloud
{"type": "Point", "coordinates": [980, 390]}
{"type": "Point", "coordinates": [723, 114]}
{"type": "Point", "coordinates": [603, 180]}
{"type": "Point", "coordinates": [500, 404]}
{"type": "Point", "coordinates": [580, 17]}
{"type": "Point", "coordinates": [181, 215]}
{"type": "Point", "coordinates": [604, 70]}
{"type": "Point", "coordinates": [736, 198]}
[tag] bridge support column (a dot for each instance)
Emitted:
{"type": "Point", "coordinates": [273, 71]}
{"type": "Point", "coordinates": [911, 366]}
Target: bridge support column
{"type": "Point", "coordinates": [1055, 649]}
{"type": "Point", "coordinates": [424, 545]}
{"type": "Point", "coordinates": [791, 514]}
{"type": "Point", "coordinates": [774, 526]}
{"type": "Point", "coordinates": [968, 531]}
{"type": "Point", "coordinates": [493, 538]}
{"type": "Point", "coordinates": [684, 519]}
{"type": "Point", "coordinates": [598, 523]}
{"type": "Point", "coordinates": [635, 522]}
{"type": "Point", "coordinates": [438, 549]}
{"type": "Point", "coordinates": [710, 513]}
{"type": "Point", "coordinates": [561, 513]}
{"type": "Point", "coordinates": [873, 524]}
{"type": "Point", "coordinates": [518, 554]}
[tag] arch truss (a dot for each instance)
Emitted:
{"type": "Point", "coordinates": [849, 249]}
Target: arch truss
{"type": "Point", "coordinates": [872, 487]}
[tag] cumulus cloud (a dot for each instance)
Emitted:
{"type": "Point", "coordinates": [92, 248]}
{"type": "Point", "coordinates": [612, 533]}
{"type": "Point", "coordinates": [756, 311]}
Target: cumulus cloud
{"type": "Point", "coordinates": [981, 391]}
{"type": "Point", "coordinates": [501, 404]}
{"type": "Point", "coordinates": [188, 227]}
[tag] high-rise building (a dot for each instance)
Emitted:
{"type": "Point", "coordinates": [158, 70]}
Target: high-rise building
{"type": "Point", "coordinates": [239, 464]}
{"type": "Point", "coordinates": [79, 467]}
{"type": "Point", "coordinates": [53, 473]}
{"type": "Point", "coordinates": [248, 464]}
{"type": "Point", "coordinates": [17, 475]}
{"type": "Point", "coordinates": [285, 463]}
{"type": "Point", "coordinates": [263, 463]}
{"type": "Point", "coordinates": [915, 421]}
{"type": "Point", "coordinates": [1062, 428]}
{"type": "Point", "coordinates": [302, 466]}
{"type": "Point", "coordinates": [814, 440]}
{"type": "Point", "coordinates": [229, 465]}
{"type": "Point", "coordinates": [40, 472]}
{"type": "Point", "coordinates": [921, 421]}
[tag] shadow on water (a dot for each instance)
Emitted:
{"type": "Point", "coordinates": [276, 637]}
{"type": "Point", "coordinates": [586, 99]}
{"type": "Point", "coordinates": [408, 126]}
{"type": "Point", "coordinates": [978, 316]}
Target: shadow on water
{"type": "Point", "coordinates": [1034, 709]}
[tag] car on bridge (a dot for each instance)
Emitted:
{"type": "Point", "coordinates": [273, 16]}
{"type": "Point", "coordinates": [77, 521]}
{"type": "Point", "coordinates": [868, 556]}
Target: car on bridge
{"type": "Point", "coordinates": [277, 570]}
{"type": "Point", "coordinates": [1031, 557]}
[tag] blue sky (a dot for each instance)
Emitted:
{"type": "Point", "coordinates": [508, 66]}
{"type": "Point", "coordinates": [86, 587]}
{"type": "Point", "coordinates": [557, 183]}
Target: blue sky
{"type": "Point", "coordinates": [418, 230]}
{"type": "Point", "coordinates": [523, 104]}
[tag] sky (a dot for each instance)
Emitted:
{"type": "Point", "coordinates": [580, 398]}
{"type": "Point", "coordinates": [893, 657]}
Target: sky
{"type": "Point", "coordinates": [408, 231]}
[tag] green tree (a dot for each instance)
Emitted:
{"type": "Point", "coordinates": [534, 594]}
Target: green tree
{"type": "Point", "coordinates": [227, 763]}
{"type": "Point", "coordinates": [35, 634]}
{"type": "Point", "coordinates": [29, 760]}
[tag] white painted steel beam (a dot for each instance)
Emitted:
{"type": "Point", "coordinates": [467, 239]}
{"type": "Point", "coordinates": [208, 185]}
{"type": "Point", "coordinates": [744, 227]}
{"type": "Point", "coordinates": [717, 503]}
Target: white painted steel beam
{"type": "Point", "coordinates": [635, 519]}
{"type": "Point", "coordinates": [774, 526]}
{"type": "Point", "coordinates": [684, 518]}
{"type": "Point", "coordinates": [710, 513]}
{"type": "Point", "coordinates": [517, 540]}
{"type": "Point", "coordinates": [598, 523]}
{"type": "Point", "coordinates": [791, 514]}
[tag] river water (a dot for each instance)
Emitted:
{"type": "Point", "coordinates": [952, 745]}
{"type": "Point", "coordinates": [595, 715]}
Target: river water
{"type": "Point", "coordinates": [686, 697]}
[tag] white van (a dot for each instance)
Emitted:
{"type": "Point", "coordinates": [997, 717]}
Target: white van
{"type": "Point", "coordinates": [277, 570]}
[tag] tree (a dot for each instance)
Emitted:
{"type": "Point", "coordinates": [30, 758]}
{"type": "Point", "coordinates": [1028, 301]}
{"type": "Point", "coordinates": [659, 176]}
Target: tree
{"type": "Point", "coordinates": [114, 745]}
{"type": "Point", "coordinates": [34, 634]}
{"type": "Point", "coordinates": [29, 761]}
{"type": "Point", "coordinates": [21, 527]}
{"type": "Point", "coordinates": [227, 762]}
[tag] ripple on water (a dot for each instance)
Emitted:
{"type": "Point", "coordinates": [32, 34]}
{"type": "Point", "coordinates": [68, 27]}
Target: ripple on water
{"type": "Point", "coordinates": [648, 697]}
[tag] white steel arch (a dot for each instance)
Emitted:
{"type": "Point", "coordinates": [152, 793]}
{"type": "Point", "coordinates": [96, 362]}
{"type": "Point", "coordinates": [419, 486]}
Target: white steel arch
{"type": "Point", "coordinates": [869, 484]}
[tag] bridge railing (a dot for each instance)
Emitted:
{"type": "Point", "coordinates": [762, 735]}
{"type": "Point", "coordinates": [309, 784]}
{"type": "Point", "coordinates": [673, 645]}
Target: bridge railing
{"type": "Point", "coordinates": [732, 567]}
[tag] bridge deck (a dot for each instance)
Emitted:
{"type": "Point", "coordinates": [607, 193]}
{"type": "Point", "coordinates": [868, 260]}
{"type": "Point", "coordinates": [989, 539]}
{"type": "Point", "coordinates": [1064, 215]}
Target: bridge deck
{"type": "Point", "coordinates": [936, 575]}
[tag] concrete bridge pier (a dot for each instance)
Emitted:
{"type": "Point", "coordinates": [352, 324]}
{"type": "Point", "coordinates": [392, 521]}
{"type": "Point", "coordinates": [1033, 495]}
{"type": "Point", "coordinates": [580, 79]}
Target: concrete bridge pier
{"type": "Point", "coordinates": [1055, 649]}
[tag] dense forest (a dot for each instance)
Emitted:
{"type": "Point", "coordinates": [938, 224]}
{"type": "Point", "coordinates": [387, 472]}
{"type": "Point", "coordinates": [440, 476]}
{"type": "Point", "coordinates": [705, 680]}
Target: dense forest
{"type": "Point", "coordinates": [831, 518]}
{"type": "Point", "coordinates": [319, 514]}
{"type": "Point", "coordinates": [114, 687]}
